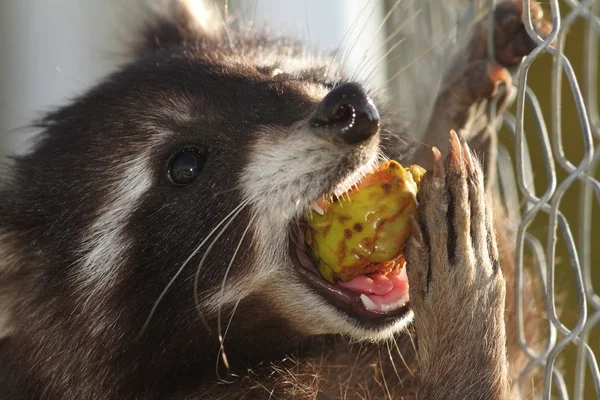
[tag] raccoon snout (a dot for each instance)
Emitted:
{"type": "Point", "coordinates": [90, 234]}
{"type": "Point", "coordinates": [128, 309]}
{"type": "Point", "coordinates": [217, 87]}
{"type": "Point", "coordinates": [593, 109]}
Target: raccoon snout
{"type": "Point", "coordinates": [347, 112]}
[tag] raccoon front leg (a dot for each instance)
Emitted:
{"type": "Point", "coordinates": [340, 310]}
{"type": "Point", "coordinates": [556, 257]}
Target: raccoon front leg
{"type": "Point", "coordinates": [457, 290]}
{"type": "Point", "coordinates": [473, 83]}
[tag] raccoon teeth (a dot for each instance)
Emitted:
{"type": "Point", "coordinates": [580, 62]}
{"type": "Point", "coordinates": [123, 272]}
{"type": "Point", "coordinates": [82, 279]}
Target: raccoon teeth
{"type": "Point", "coordinates": [368, 303]}
{"type": "Point", "coordinates": [316, 208]}
{"type": "Point", "coordinates": [371, 306]}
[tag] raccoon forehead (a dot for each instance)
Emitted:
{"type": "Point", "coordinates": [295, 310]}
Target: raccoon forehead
{"type": "Point", "coordinates": [287, 61]}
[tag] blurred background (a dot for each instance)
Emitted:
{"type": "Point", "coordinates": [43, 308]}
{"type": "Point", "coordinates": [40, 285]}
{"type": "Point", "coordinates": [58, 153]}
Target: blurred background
{"type": "Point", "coordinates": [53, 50]}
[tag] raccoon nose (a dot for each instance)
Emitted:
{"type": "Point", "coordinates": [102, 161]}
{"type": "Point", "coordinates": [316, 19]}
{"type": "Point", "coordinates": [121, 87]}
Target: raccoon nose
{"type": "Point", "coordinates": [347, 112]}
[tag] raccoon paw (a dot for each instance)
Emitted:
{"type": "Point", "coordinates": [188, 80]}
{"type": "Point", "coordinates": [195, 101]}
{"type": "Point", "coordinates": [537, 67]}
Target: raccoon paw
{"type": "Point", "coordinates": [473, 80]}
{"type": "Point", "coordinates": [511, 40]}
{"type": "Point", "coordinates": [456, 287]}
{"type": "Point", "coordinates": [452, 256]}
{"type": "Point", "coordinates": [511, 43]}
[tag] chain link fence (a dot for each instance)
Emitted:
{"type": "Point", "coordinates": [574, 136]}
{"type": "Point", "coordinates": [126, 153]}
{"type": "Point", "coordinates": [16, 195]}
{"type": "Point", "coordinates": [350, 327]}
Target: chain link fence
{"type": "Point", "coordinates": [563, 170]}
{"type": "Point", "coordinates": [548, 173]}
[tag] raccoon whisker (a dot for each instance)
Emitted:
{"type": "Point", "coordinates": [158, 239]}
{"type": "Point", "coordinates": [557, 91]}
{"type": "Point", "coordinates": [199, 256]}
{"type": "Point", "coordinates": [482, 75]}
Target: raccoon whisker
{"type": "Point", "coordinates": [237, 211]}
{"type": "Point", "coordinates": [310, 53]}
{"type": "Point", "coordinates": [382, 373]}
{"type": "Point", "coordinates": [348, 32]}
{"type": "Point", "coordinates": [222, 336]}
{"type": "Point", "coordinates": [381, 25]}
{"type": "Point", "coordinates": [391, 357]}
{"type": "Point", "coordinates": [400, 353]}
{"type": "Point", "coordinates": [415, 141]}
{"type": "Point", "coordinates": [399, 28]}
{"type": "Point", "coordinates": [347, 52]}
{"type": "Point", "coordinates": [224, 17]}
{"type": "Point", "coordinates": [348, 379]}
{"type": "Point", "coordinates": [262, 386]}
{"type": "Point", "coordinates": [381, 157]}
{"type": "Point", "coordinates": [386, 134]}
{"type": "Point", "coordinates": [372, 63]}
{"type": "Point", "coordinates": [296, 233]}
{"type": "Point", "coordinates": [221, 355]}
{"type": "Point", "coordinates": [231, 317]}
{"type": "Point", "coordinates": [298, 227]}
{"type": "Point", "coordinates": [376, 63]}
{"type": "Point", "coordinates": [254, 12]}
{"type": "Point", "coordinates": [225, 191]}
{"type": "Point", "coordinates": [370, 76]}
{"type": "Point", "coordinates": [348, 197]}
{"type": "Point", "coordinates": [230, 217]}
{"type": "Point", "coordinates": [408, 65]}
{"type": "Point", "coordinates": [411, 18]}
{"type": "Point", "coordinates": [366, 390]}
{"type": "Point", "coordinates": [424, 53]}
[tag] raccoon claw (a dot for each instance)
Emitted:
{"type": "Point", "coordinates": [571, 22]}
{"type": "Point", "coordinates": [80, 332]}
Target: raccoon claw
{"type": "Point", "coordinates": [438, 166]}
{"type": "Point", "coordinates": [455, 158]}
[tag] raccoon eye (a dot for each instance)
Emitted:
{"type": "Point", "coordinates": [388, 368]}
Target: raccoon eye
{"type": "Point", "coordinates": [186, 166]}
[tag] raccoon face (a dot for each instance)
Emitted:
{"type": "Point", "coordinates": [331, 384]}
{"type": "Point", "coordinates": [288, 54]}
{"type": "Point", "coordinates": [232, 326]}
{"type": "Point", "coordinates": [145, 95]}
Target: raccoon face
{"type": "Point", "coordinates": [287, 171]}
{"type": "Point", "coordinates": [174, 190]}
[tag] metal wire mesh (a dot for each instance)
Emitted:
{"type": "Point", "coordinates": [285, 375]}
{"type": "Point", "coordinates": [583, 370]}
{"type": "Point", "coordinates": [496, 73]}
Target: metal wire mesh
{"type": "Point", "coordinates": [550, 151]}
{"type": "Point", "coordinates": [550, 144]}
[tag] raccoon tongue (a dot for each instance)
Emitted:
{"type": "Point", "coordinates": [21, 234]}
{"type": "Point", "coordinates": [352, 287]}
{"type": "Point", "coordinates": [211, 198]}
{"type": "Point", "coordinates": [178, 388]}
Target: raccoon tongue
{"type": "Point", "coordinates": [381, 292]}
{"type": "Point", "coordinates": [369, 284]}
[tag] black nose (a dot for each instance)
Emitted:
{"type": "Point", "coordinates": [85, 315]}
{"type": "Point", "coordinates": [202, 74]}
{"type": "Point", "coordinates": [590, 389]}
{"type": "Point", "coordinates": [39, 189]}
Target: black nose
{"type": "Point", "coordinates": [347, 112]}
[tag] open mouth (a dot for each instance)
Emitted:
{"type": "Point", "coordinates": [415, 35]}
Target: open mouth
{"type": "Point", "coordinates": [372, 297]}
{"type": "Point", "coordinates": [379, 296]}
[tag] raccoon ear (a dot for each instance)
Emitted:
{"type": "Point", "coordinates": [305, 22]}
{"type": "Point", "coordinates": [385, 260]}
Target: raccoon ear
{"type": "Point", "coordinates": [183, 21]}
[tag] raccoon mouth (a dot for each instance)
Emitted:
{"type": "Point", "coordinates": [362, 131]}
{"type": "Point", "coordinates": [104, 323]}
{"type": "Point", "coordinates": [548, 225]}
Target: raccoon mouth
{"type": "Point", "coordinates": [373, 297]}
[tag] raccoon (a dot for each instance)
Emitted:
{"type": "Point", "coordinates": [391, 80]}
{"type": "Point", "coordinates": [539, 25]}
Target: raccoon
{"type": "Point", "coordinates": [151, 241]}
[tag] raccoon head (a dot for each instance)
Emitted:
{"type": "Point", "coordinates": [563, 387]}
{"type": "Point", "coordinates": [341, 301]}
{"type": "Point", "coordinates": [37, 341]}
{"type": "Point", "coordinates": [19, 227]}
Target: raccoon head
{"type": "Point", "coordinates": [165, 202]}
